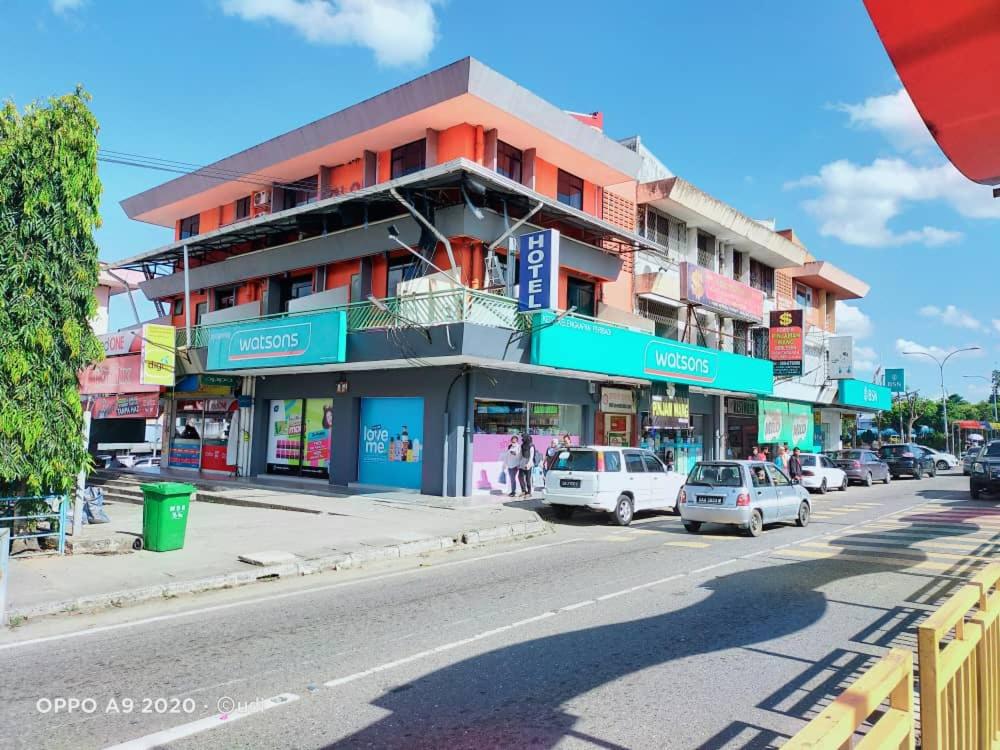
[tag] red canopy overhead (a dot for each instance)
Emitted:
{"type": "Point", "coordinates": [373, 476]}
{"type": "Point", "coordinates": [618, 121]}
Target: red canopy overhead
{"type": "Point", "coordinates": [947, 52]}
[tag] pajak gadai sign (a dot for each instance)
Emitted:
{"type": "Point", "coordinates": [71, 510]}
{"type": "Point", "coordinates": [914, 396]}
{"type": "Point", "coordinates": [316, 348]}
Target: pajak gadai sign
{"type": "Point", "coordinates": [785, 342]}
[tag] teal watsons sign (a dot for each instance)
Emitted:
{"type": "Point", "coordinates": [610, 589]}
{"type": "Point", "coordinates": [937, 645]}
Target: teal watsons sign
{"type": "Point", "coordinates": [863, 395]}
{"type": "Point", "coordinates": [309, 339]}
{"type": "Point", "coordinates": [581, 344]}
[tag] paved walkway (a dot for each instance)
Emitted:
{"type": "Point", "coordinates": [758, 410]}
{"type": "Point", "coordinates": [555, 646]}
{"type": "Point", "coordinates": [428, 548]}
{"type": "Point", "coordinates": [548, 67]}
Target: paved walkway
{"type": "Point", "coordinates": [332, 532]}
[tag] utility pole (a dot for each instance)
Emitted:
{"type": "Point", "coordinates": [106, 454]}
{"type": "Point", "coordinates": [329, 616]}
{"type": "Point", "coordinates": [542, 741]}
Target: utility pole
{"type": "Point", "coordinates": [994, 381]}
{"type": "Point", "coordinates": [944, 396]}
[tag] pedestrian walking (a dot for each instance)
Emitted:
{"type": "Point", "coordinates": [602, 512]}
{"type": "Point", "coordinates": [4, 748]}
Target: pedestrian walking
{"type": "Point", "coordinates": [795, 467]}
{"type": "Point", "coordinates": [528, 461]}
{"type": "Point", "coordinates": [551, 454]}
{"type": "Point", "coordinates": [512, 463]}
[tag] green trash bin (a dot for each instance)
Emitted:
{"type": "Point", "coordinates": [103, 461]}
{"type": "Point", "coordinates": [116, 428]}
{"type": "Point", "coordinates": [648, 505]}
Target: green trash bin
{"type": "Point", "coordinates": [164, 515]}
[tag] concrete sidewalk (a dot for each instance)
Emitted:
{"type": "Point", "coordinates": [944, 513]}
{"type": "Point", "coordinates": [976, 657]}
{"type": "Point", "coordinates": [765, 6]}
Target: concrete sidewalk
{"type": "Point", "coordinates": [332, 533]}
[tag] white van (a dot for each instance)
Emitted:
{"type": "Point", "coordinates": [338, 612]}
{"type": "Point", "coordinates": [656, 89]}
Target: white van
{"type": "Point", "coordinates": [617, 480]}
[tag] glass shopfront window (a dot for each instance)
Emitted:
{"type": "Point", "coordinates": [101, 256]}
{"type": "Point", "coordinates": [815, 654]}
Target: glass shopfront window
{"type": "Point", "coordinates": [298, 436]}
{"type": "Point", "coordinates": [200, 438]}
{"type": "Point", "coordinates": [185, 439]}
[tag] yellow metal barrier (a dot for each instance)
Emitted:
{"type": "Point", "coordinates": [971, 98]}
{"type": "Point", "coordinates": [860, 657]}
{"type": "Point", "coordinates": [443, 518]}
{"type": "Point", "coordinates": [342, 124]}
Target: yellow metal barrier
{"type": "Point", "coordinates": [987, 618]}
{"type": "Point", "coordinates": [891, 677]}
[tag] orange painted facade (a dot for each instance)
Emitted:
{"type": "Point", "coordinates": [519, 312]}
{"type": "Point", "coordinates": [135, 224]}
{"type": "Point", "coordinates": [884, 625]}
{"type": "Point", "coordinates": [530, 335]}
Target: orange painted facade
{"type": "Point", "coordinates": [458, 141]}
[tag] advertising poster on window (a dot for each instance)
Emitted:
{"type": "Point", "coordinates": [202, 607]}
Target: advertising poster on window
{"type": "Point", "coordinates": [319, 423]}
{"type": "Point", "coordinates": [284, 434]}
{"type": "Point", "coordinates": [157, 355]}
{"type": "Point", "coordinates": [131, 406]}
{"type": "Point", "coordinates": [782, 422]}
{"type": "Point", "coordinates": [840, 350]}
{"type": "Point", "coordinates": [391, 442]}
{"type": "Point", "coordinates": [785, 342]}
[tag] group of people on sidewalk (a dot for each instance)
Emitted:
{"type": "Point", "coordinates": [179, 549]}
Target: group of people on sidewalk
{"type": "Point", "coordinates": [521, 459]}
{"type": "Point", "coordinates": [790, 463]}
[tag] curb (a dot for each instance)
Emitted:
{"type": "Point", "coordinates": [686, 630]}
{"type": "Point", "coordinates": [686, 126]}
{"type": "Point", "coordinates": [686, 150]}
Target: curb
{"type": "Point", "coordinates": [344, 561]}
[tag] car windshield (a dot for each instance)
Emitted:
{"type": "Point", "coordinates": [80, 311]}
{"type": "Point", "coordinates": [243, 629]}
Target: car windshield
{"type": "Point", "coordinates": [855, 455]}
{"type": "Point", "coordinates": [895, 450]}
{"type": "Point", "coordinates": [716, 475]}
{"type": "Point", "coordinates": [992, 451]}
{"type": "Point", "coordinates": [576, 460]}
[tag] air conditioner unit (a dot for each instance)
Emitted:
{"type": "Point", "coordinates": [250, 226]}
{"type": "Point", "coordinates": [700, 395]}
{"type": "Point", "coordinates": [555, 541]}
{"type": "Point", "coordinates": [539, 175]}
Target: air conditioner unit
{"type": "Point", "coordinates": [262, 198]}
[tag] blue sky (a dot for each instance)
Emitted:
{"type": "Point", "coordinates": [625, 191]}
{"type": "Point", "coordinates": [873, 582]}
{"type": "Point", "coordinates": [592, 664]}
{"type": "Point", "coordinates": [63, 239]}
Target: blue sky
{"type": "Point", "coordinates": [786, 110]}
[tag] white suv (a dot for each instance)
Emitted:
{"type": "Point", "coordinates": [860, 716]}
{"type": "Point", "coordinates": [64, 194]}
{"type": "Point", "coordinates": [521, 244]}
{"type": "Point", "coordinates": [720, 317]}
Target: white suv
{"type": "Point", "coordinates": [617, 480]}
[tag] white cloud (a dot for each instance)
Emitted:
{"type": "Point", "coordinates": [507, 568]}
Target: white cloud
{"type": "Point", "coordinates": [64, 6]}
{"type": "Point", "coordinates": [852, 322]}
{"type": "Point", "coordinates": [996, 324]}
{"type": "Point", "coordinates": [905, 345]}
{"type": "Point", "coordinates": [895, 117]}
{"type": "Point", "coordinates": [865, 359]}
{"type": "Point", "coordinates": [399, 32]}
{"type": "Point", "coordinates": [952, 316]}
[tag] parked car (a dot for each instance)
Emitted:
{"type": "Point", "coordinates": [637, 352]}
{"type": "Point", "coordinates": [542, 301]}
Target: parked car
{"type": "Point", "coordinates": [968, 458]}
{"type": "Point", "coordinates": [820, 474]}
{"type": "Point", "coordinates": [747, 494]}
{"type": "Point", "coordinates": [617, 480]}
{"type": "Point", "coordinates": [986, 470]}
{"type": "Point", "coordinates": [907, 458]}
{"type": "Point", "coordinates": [861, 465]}
{"type": "Point", "coordinates": [942, 461]}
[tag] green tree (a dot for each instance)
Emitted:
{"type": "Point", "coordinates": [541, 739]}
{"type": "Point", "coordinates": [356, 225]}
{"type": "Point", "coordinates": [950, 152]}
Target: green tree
{"type": "Point", "coordinates": [49, 196]}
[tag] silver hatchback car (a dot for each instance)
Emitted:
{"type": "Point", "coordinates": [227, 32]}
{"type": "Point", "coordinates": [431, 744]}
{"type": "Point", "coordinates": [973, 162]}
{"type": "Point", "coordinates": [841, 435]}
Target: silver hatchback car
{"type": "Point", "coordinates": [747, 494]}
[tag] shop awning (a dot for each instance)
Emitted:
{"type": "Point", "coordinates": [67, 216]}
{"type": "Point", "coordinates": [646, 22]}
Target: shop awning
{"type": "Point", "coordinates": [946, 55]}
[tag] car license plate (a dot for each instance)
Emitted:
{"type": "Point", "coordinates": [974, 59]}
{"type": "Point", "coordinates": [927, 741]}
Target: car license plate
{"type": "Point", "coordinates": [710, 499]}
{"type": "Point", "coordinates": [569, 483]}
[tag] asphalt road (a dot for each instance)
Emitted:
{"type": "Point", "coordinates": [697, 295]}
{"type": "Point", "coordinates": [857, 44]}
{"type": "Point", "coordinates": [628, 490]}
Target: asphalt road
{"type": "Point", "coordinates": [591, 637]}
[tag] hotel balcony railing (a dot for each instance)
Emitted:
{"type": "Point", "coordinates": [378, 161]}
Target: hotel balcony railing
{"type": "Point", "coordinates": [412, 310]}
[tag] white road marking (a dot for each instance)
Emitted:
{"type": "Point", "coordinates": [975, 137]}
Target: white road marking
{"type": "Point", "coordinates": [275, 597]}
{"type": "Point", "coordinates": [159, 739]}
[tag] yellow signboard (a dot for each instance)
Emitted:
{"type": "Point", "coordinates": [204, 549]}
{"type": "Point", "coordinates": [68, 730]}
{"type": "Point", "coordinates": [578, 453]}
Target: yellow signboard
{"type": "Point", "coordinates": [158, 355]}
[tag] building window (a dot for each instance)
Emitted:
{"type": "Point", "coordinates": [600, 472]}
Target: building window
{"type": "Point", "coordinates": [509, 161]}
{"type": "Point", "coordinates": [242, 209]}
{"type": "Point", "coordinates": [706, 250]}
{"type": "Point", "coordinates": [225, 298]}
{"type": "Point", "coordinates": [762, 277]}
{"type": "Point", "coordinates": [569, 190]}
{"type": "Point", "coordinates": [761, 343]}
{"type": "Point", "coordinates": [409, 158]}
{"type": "Point", "coordinates": [803, 296]}
{"type": "Point", "coordinates": [737, 265]}
{"type": "Point", "coordinates": [355, 287]}
{"type": "Point", "coordinates": [179, 306]}
{"type": "Point", "coordinates": [581, 295]}
{"type": "Point", "coordinates": [665, 318]}
{"type": "Point", "coordinates": [741, 335]}
{"type": "Point", "coordinates": [400, 270]}
{"type": "Point", "coordinates": [190, 226]}
{"type": "Point", "coordinates": [199, 312]}
{"type": "Point", "coordinates": [299, 192]}
{"type": "Point", "coordinates": [654, 226]}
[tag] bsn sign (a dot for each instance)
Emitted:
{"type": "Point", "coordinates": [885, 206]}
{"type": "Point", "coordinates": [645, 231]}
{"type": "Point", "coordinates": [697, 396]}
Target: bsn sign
{"type": "Point", "coordinates": [539, 266]}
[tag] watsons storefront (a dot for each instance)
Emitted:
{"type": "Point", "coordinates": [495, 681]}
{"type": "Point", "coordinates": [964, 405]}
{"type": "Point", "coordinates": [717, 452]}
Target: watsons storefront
{"type": "Point", "coordinates": [680, 414]}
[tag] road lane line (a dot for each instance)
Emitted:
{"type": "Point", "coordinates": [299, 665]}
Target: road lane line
{"type": "Point", "coordinates": [159, 739]}
{"type": "Point", "coordinates": [275, 597]}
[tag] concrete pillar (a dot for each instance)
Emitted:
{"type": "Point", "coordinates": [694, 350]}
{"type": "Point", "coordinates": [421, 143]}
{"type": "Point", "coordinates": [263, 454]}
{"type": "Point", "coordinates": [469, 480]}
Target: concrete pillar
{"type": "Point", "coordinates": [370, 168]}
{"type": "Point", "coordinates": [528, 168]}
{"type": "Point", "coordinates": [691, 254]}
{"type": "Point", "coordinates": [490, 149]}
{"type": "Point", "coordinates": [431, 148]}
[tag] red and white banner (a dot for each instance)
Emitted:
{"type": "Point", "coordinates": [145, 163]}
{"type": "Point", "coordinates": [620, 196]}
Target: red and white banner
{"type": "Point", "coordinates": [115, 375]}
{"type": "Point", "coordinates": [128, 406]}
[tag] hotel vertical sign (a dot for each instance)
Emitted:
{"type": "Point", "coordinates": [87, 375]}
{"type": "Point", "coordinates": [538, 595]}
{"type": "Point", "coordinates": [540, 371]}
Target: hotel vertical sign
{"type": "Point", "coordinates": [539, 277]}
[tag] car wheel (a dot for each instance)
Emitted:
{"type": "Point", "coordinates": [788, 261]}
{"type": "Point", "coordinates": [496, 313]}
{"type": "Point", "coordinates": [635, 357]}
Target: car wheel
{"type": "Point", "coordinates": [932, 473]}
{"type": "Point", "coordinates": [974, 491]}
{"type": "Point", "coordinates": [895, 476]}
{"type": "Point", "coordinates": [564, 512]}
{"type": "Point", "coordinates": [802, 519]}
{"type": "Point", "coordinates": [843, 485]}
{"type": "Point", "coordinates": [756, 524]}
{"type": "Point", "coordinates": [942, 466]}
{"type": "Point", "coordinates": [918, 475]}
{"type": "Point", "coordinates": [823, 487]}
{"type": "Point", "coordinates": [692, 527]}
{"type": "Point", "coordinates": [869, 479]}
{"type": "Point", "coordinates": [623, 511]}
{"type": "Point", "coordinates": [888, 478]}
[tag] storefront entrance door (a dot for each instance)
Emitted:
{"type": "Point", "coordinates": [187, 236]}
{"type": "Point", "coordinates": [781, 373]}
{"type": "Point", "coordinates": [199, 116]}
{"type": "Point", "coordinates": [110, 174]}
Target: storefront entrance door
{"type": "Point", "coordinates": [298, 436]}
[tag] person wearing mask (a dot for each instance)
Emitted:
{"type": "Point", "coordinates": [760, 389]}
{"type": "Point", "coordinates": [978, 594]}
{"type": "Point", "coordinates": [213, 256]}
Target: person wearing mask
{"type": "Point", "coordinates": [795, 467]}
{"type": "Point", "coordinates": [527, 462]}
{"type": "Point", "coordinates": [512, 463]}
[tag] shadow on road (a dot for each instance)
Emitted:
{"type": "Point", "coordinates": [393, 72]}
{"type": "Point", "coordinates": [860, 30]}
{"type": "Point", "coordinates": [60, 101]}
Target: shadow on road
{"type": "Point", "coordinates": [515, 696]}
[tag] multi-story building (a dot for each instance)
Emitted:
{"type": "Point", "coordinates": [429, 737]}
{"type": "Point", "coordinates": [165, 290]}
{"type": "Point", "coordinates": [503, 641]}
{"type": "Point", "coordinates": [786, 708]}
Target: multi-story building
{"type": "Point", "coordinates": [348, 305]}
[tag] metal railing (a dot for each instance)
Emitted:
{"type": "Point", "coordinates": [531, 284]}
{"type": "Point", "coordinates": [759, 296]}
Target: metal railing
{"type": "Point", "coordinates": [423, 310]}
{"type": "Point", "coordinates": [25, 510]}
{"type": "Point", "coordinates": [890, 678]}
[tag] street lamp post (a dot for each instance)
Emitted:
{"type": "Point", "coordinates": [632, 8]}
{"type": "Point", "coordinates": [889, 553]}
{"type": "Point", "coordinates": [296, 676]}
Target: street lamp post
{"type": "Point", "coordinates": [944, 396]}
{"type": "Point", "coordinates": [995, 381]}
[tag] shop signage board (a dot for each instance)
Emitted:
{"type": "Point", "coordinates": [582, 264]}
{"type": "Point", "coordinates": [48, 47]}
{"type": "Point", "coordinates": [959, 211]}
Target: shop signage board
{"type": "Point", "coordinates": [117, 343]}
{"type": "Point", "coordinates": [863, 395]}
{"type": "Point", "coordinates": [115, 375]}
{"type": "Point", "coordinates": [127, 406]}
{"type": "Point", "coordinates": [670, 406]}
{"type": "Point", "coordinates": [840, 351]}
{"type": "Point", "coordinates": [581, 344]}
{"type": "Point", "coordinates": [307, 339]}
{"type": "Point", "coordinates": [741, 407]}
{"type": "Point", "coordinates": [713, 291]}
{"type": "Point", "coordinates": [205, 385]}
{"type": "Point", "coordinates": [895, 379]}
{"type": "Point", "coordinates": [617, 401]}
{"type": "Point", "coordinates": [538, 279]}
{"type": "Point", "coordinates": [158, 356]}
{"type": "Point", "coordinates": [785, 342]}
{"type": "Point", "coordinates": [391, 442]}
{"type": "Point", "coordinates": [784, 422]}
